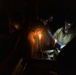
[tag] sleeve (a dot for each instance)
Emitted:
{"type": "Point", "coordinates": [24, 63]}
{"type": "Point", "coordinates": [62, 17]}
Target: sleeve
{"type": "Point", "coordinates": [57, 32]}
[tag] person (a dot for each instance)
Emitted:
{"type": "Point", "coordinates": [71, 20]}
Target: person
{"type": "Point", "coordinates": [44, 43]}
{"type": "Point", "coordinates": [48, 30]}
{"type": "Point", "coordinates": [65, 33]}
{"type": "Point", "coordinates": [49, 23]}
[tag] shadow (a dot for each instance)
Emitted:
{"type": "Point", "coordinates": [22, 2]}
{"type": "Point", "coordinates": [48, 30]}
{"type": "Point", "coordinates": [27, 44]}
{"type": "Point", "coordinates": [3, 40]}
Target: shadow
{"type": "Point", "coordinates": [67, 57]}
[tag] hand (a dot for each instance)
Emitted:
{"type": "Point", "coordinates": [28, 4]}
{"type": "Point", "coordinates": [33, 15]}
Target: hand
{"type": "Point", "coordinates": [62, 46]}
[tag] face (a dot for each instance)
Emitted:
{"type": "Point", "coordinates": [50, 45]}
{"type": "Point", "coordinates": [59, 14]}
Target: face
{"type": "Point", "coordinates": [50, 18]}
{"type": "Point", "coordinates": [44, 21]}
{"type": "Point", "coordinates": [68, 25]}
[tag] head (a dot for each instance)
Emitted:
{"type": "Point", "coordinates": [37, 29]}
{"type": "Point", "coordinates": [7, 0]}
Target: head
{"type": "Point", "coordinates": [46, 20]}
{"type": "Point", "coordinates": [68, 23]}
{"type": "Point", "coordinates": [68, 26]}
{"type": "Point", "coordinates": [50, 18]}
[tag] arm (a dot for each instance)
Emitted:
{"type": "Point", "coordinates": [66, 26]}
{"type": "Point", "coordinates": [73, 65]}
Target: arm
{"type": "Point", "coordinates": [56, 43]}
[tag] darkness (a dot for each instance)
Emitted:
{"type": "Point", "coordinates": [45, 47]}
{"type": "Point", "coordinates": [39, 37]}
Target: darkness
{"type": "Point", "coordinates": [34, 9]}
{"type": "Point", "coordinates": [22, 12]}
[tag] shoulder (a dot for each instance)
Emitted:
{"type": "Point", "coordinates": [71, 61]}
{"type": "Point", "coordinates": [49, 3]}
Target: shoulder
{"type": "Point", "coordinates": [58, 30]}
